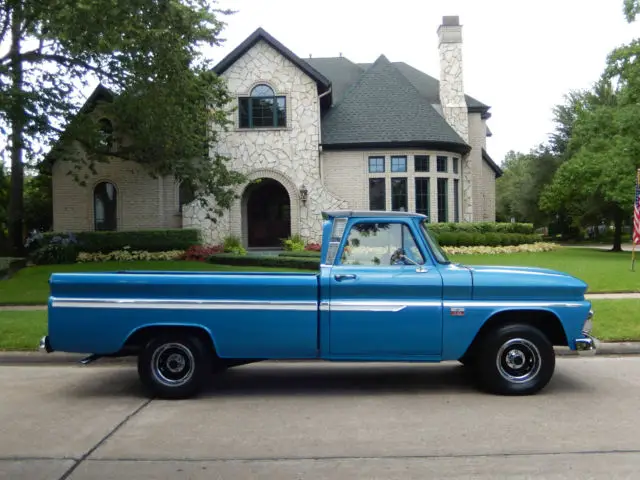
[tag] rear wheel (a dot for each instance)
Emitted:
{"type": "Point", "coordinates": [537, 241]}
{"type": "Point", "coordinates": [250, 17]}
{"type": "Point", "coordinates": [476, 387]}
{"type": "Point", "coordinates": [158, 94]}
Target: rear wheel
{"type": "Point", "coordinates": [175, 366]}
{"type": "Point", "coordinates": [515, 359]}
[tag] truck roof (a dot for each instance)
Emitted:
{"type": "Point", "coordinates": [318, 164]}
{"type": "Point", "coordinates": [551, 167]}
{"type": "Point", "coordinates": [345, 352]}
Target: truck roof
{"type": "Point", "coordinates": [369, 213]}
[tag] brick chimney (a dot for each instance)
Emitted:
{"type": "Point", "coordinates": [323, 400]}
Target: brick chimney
{"type": "Point", "coordinates": [454, 106]}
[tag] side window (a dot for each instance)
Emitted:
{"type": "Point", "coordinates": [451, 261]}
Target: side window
{"type": "Point", "coordinates": [381, 244]}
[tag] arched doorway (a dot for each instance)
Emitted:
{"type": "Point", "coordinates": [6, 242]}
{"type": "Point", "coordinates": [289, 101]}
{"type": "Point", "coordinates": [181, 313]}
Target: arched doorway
{"type": "Point", "coordinates": [268, 213]}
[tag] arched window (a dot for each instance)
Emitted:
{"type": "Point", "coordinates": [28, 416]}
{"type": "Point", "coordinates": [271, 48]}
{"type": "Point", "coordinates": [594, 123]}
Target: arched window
{"type": "Point", "coordinates": [262, 108]}
{"type": "Point", "coordinates": [105, 206]}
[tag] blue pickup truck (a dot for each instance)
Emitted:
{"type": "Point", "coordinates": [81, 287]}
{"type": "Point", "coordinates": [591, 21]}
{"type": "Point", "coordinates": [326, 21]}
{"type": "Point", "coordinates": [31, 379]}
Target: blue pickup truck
{"type": "Point", "coordinates": [385, 292]}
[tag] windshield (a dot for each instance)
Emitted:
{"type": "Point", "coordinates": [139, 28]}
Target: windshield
{"type": "Point", "coordinates": [441, 257]}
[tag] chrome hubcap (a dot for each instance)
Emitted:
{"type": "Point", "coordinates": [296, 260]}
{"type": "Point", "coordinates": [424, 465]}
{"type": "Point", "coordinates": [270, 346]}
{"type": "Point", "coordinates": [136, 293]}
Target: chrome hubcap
{"type": "Point", "coordinates": [172, 364]}
{"type": "Point", "coordinates": [518, 360]}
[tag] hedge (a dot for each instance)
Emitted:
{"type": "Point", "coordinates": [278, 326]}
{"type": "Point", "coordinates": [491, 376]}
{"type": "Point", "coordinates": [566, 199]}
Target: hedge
{"type": "Point", "coordinates": [482, 227]}
{"type": "Point", "coordinates": [265, 261]}
{"type": "Point", "coordinates": [300, 254]}
{"type": "Point", "coordinates": [467, 239]}
{"type": "Point", "coordinates": [148, 240]}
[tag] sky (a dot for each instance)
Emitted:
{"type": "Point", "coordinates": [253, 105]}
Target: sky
{"type": "Point", "coordinates": [519, 57]}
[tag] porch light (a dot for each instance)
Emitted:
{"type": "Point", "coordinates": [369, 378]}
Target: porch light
{"type": "Point", "coordinates": [304, 194]}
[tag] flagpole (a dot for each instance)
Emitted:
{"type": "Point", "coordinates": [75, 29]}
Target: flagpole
{"type": "Point", "coordinates": [635, 236]}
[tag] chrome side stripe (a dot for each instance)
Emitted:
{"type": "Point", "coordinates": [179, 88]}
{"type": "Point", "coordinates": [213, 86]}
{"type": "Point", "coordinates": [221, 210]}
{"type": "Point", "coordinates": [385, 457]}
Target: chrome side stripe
{"type": "Point", "coordinates": [184, 304]}
{"type": "Point", "coordinates": [509, 304]}
{"type": "Point", "coordinates": [336, 306]}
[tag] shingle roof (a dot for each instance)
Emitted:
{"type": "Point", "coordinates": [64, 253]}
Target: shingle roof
{"type": "Point", "coordinates": [343, 73]}
{"type": "Point", "coordinates": [384, 107]}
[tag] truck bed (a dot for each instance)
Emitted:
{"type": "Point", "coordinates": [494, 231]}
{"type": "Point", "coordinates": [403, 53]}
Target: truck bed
{"type": "Point", "coordinates": [245, 312]}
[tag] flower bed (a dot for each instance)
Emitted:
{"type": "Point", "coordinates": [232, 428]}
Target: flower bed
{"type": "Point", "coordinates": [483, 250]}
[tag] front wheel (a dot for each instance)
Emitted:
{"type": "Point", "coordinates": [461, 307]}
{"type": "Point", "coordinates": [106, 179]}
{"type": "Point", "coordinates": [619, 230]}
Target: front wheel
{"type": "Point", "coordinates": [175, 366]}
{"type": "Point", "coordinates": [515, 360]}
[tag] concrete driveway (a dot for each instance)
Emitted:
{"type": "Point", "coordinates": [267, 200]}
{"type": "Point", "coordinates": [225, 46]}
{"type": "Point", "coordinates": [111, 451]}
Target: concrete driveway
{"type": "Point", "coordinates": [318, 420]}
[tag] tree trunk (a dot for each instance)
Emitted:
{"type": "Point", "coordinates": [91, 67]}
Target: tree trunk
{"type": "Point", "coordinates": [617, 234]}
{"type": "Point", "coordinates": [17, 120]}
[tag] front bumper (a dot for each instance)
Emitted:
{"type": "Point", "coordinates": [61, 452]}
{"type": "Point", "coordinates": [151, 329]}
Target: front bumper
{"type": "Point", "coordinates": [587, 344]}
{"type": "Point", "coordinates": [45, 345]}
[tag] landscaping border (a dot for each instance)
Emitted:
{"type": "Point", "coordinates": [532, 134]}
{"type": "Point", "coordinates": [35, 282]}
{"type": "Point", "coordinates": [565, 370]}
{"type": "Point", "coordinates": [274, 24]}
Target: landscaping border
{"type": "Point", "coordinates": [14, 265]}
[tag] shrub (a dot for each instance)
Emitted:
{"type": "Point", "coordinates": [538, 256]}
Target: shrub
{"type": "Point", "coordinates": [148, 240]}
{"type": "Point", "coordinates": [482, 227]}
{"type": "Point", "coordinates": [265, 261]}
{"type": "Point", "coordinates": [50, 250]}
{"type": "Point", "coordinates": [313, 247]}
{"type": "Point", "coordinates": [294, 243]}
{"type": "Point", "coordinates": [490, 239]}
{"type": "Point", "coordinates": [200, 253]}
{"type": "Point", "coordinates": [302, 254]}
{"type": "Point", "coordinates": [233, 244]}
{"type": "Point", "coordinates": [127, 255]}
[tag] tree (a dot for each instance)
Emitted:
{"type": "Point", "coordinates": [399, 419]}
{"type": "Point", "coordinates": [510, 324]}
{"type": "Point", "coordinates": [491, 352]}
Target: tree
{"type": "Point", "coordinates": [4, 201]}
{"type": "Point", "coordinates": [526, 175]}
{"type": "Point", "coordinates": [631, 9]}
{"type": "Point", "coordinates": [149, 53]}
{"type": "Point", "coordinates": [597, 182]}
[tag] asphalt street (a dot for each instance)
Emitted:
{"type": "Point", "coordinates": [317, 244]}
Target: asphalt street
{"type": "Point", "coordinates": [320, 420]}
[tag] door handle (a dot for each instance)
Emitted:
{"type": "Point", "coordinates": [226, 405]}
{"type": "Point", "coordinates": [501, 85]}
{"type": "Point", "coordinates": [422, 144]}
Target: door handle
{"type": "Point", "coordinates": [344, 276]}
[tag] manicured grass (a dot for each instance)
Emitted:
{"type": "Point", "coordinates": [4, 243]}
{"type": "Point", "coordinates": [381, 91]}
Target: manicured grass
{"type": "Point", "coordinates": [22, 330]}
{"type": "Point", "coordinates": [603, 271]}
{"type": "Point", "coordinates": [30, 286]}
{"type": "Point", "coordinates": [614, 320]}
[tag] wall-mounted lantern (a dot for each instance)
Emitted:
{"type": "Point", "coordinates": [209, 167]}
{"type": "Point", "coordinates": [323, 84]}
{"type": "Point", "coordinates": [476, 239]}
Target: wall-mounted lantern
{"type": "Point", "coordinates": [304, 194]}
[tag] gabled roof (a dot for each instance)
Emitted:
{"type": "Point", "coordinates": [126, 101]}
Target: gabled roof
{"type": "Point", "coordinates": [493, 165]}
{"type": "Point", "coordinates": [100, 93]}
{"type": "Point", "coordinates": [261, 34]}
{"type": "Point", "coordinates": [383, 107]}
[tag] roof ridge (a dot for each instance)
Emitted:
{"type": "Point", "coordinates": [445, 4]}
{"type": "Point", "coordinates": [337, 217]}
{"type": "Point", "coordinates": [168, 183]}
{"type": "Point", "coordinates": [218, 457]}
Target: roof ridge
{"type": "Point", "coordinates": [426, 102]}
{"type": "Point", "coordinates": [354, 85]}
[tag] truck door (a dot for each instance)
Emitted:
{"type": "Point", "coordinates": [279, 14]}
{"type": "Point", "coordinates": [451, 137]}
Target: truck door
{"type": "Point", "coordinates": [381, 303]}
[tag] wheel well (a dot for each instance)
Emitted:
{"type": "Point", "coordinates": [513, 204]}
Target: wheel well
{"type": "Point", "coordinates": [547, 322]}
{"type": "Point", "coordinates": [138, 339]}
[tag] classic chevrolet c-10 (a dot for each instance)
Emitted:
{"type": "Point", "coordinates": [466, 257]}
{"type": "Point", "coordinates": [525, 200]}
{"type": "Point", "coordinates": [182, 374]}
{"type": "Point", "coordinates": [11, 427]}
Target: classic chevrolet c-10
{"type": "Point", "coordinates": [385, 292]}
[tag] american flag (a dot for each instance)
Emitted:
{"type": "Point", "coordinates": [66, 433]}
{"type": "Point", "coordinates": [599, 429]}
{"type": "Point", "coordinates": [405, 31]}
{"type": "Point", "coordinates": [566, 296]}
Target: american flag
{"type": "Point", "coordinates": [636, 212]}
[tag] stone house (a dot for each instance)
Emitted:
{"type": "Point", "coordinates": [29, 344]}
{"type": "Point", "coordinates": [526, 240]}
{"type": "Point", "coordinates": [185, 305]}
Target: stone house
{"type": "Point", "coordinates": [314, 134]}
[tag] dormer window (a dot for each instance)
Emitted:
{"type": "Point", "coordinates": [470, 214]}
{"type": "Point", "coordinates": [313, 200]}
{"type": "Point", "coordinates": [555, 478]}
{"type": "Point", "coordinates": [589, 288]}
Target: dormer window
{"type": "Point", "coordinates": [262, 109]}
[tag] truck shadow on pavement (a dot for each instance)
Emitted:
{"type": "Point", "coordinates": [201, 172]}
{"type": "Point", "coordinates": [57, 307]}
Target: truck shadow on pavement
{"type": "Point", "coordinates": [324, 378]}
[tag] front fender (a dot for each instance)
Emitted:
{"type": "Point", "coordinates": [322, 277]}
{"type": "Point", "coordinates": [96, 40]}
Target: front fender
{"type": "Point", "coordinates": [464, 320]}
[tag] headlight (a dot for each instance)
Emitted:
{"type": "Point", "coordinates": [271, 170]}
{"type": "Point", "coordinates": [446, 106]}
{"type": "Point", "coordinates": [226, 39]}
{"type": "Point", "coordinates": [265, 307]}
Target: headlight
{"type": "Point", "coordinates": [588, 323]}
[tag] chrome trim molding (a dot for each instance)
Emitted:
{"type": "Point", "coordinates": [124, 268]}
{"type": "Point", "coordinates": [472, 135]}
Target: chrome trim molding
{"type": "Point", "coordinates": [510, 303]}
{"type": "Point", "coordinates": [170, 304]}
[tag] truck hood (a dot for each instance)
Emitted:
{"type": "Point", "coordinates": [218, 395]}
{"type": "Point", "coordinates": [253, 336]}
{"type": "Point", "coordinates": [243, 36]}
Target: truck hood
{"type": "Point", "coordinates": [492, 282]}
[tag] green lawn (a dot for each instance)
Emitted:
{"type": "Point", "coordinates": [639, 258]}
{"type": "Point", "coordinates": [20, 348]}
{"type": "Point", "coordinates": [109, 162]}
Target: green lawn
{"type": "Point", "coordinates": [615, 320]}
{"type": "Point", "coordinates": [30, 286]}
{"type": "Point", "coordinates": [603, 271]}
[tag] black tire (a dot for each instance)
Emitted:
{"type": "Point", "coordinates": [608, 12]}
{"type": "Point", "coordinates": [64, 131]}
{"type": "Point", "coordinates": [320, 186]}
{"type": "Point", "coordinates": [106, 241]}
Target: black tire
{"type": "Point", "coordinates": [175, 365]}
{"type": "Point", "coordinates": [514, 359]}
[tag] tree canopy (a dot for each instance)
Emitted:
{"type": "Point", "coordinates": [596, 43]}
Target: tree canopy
{"type": "Point", "coordinates": [150, 53]}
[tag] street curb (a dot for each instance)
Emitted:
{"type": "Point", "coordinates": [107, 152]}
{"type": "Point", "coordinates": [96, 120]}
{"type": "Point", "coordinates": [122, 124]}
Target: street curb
{"type": "Point", "coordinates": [66, 359]}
